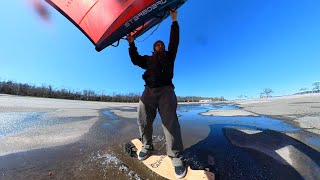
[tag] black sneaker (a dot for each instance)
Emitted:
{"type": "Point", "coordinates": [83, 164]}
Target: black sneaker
{"type": "Point", "coordinates": [180, 171]}
{"type": "Point", "coordinates": [143, 155]}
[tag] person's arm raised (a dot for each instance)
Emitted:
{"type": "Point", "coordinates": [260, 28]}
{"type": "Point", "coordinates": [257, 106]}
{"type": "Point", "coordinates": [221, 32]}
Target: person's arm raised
{"type": "Point", "coordinates": [174, 34]}
{"type": "Point", "coordinates": [136, 58]}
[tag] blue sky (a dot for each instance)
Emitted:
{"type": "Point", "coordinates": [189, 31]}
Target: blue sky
{"type": "Point", "coordinates": [227, 48]}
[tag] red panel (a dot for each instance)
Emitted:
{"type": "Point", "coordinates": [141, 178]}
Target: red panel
{"type": "Point", "coordinates": [93, 17]}
{"type": "Point", "coordinates": [101, 16]}
{"type": "Point", "coordinates": [138, 6]}
{"type": "Point", "coordinates": [75, 9]}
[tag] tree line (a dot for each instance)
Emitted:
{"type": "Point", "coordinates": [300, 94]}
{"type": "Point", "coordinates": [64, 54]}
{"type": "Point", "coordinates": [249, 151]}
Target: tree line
{"type": "Point", "coordinates": [314, 89]}
{"type": "Point", "coordinates": [24, 89]}
{"type": "Point", "coordinates": [266, 92]}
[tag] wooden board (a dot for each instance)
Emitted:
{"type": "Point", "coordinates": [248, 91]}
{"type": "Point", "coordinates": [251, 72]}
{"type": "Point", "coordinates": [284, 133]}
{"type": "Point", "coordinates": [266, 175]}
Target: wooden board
{"type": "Point", "coordinates": [161, 164]}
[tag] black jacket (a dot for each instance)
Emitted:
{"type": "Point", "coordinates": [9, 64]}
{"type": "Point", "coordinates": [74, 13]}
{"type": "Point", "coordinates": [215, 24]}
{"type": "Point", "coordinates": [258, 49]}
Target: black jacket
{"type": "Point", "coordinates": [160, 66]}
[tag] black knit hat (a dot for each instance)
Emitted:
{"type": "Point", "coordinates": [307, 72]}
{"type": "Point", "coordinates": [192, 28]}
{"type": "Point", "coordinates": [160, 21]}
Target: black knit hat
{"type": "Point", "coordinates": [154, 45]}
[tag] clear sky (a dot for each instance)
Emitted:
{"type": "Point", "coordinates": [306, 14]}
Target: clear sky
{"type": "Point", "coordinates": [227, 48]}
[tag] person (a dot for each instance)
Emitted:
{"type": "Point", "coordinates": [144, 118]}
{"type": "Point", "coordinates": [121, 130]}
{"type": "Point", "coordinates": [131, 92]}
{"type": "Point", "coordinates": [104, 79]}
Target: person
{"type": "Point", "coordinates": [159, 95]}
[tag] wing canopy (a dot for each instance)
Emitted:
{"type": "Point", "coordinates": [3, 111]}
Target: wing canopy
{"type": "Point", "coordinates": [106, 21]}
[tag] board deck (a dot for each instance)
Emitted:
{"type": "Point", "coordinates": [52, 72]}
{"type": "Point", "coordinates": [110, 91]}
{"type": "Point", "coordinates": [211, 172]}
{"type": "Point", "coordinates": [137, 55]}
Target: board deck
{"type": "Point", "coordinates": [161, 164]}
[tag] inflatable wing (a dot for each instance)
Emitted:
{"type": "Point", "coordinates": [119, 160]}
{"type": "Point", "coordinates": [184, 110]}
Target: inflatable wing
{"type": "Point", "coordinates": [105, 22]}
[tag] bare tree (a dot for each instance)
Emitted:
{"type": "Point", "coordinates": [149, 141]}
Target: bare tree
{"type": "Point", "coordinates": [316, 86]}
{"type": "Point", "coordinates": [243, 96]}
{"type": "Point", "coordinates": [88, 94]}
{"type": "Point", "coordinates": [267, 92]}
{"type": "Point", "coordinates": [303, 89]}
{"type": "Point", "coordinates": [18, 89]}
{"type": "Point", "coordinates": [50, 91]}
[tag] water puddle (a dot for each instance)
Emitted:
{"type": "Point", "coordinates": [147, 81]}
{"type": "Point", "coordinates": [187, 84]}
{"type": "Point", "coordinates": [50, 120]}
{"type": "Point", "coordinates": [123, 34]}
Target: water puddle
{"type": "Point", "coordinates": [314, 140]}
{"type": "Point", "coordinates": [191, 115]}
{"type": "Point", "coordinates": [12, 123]}
{"type": "Point", "coordinates": [239, 147]}
{"type": "Point", "coordinates": [18, 122]}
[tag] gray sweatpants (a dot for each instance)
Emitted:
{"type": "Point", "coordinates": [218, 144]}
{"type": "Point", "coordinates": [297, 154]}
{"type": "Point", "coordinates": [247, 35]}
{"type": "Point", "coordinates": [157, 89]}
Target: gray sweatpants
{"type": "Point", "coordinates": [164, 99]}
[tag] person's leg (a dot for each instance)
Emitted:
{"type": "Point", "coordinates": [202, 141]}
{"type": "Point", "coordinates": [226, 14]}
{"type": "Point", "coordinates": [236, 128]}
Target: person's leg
{"type": "Point", "coordinates": [147, 111]}
{"type": "Point", "coordinates": [171, 126]}
{"type": "Point", "coordinates": [168, 112]}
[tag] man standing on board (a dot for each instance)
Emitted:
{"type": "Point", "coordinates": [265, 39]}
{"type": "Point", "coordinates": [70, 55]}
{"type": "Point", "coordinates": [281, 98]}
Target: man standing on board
{"type": "Point", "coordinates": [159, 95]}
